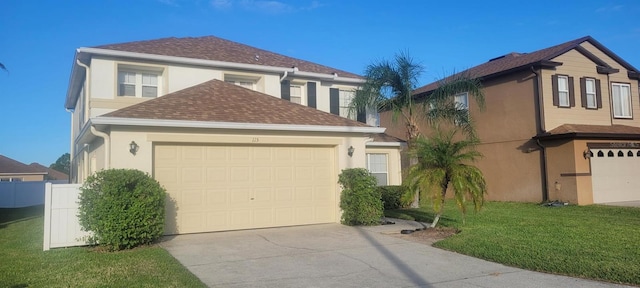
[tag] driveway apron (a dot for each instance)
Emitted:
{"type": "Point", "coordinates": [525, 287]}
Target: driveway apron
{"type": "Point", "coordinates": [333, 255]}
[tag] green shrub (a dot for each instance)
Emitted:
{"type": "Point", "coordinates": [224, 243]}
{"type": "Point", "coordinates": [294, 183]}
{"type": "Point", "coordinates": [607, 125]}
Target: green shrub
{"type": "Point", "coordinates": [360, 200]}
{"type": "Point", "coordinates": [123, 208]}
{"type": "Point", "coordinates": [392, 197]}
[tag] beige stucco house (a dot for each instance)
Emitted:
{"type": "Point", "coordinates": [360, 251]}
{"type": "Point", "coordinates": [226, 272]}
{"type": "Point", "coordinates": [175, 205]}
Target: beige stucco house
{"type": "Point", "coordinates": [240, 137]}
{"type": "Point", "coordinates": [561, 123]}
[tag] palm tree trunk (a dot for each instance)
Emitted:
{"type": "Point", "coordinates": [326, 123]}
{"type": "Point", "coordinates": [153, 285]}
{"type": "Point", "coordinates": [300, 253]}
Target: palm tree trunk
{"type": "Point", "coordinates": [412, 135]}
{"type": "Point", "coordinates": [439, 213]}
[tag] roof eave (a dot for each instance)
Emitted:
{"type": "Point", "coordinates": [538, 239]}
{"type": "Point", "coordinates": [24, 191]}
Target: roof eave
{"type": "Point", "coordinates": [583, 135]}
{"type": "Point", "coordinates": [119, 121]}
{"type": "Point", "coordinates": [215, 63]}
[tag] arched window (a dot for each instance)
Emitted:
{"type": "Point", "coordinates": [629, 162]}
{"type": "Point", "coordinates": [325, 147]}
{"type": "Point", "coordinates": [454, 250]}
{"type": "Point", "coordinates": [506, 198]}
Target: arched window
{"type": "Point", "coordinates": [601, 154]}
{"type": "Point", "coordinates": [610, 154]}
{"type": "Point", "coordinates": [620, 154]}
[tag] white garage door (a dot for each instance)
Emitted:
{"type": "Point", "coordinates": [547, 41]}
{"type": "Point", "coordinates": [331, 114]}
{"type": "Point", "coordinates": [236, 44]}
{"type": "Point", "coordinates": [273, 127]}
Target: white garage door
{"type": "Point", "coordinates": [615, 175]}
{"type": "Point", "coordinates": [216, 188]}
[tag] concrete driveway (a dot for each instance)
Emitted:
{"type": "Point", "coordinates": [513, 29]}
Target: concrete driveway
{"type": "Point", "coordinates": [333, 255]}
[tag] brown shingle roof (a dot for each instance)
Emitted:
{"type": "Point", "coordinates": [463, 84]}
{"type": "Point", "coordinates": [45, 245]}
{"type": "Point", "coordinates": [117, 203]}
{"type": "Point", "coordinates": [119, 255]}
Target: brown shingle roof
{"type": "Point", "coordinates": [384, 137]}
{"type": "Point", "coordinates": [218, 101]}
{"type": "Point", "coordinates": [592, 131]}
{"type": "Point", "coordinates": [8, 165]}
{"type": "Point", "coordinates": [515, 61]}
{"type": "Point", "coordinates": [51, 173]}
{"type": "Point", "coordinates": [214, 48]}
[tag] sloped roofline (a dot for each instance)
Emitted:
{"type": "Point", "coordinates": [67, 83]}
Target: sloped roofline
{"type": "Point", "coordinates": [545, 61]}
{"type": "Point", "coordinates": [76, 78]}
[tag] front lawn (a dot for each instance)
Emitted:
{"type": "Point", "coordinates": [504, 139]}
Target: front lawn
{"type": "Point", "coordinates": [24, 264]}
{"type": "Point", "coordinates": [596, 242]}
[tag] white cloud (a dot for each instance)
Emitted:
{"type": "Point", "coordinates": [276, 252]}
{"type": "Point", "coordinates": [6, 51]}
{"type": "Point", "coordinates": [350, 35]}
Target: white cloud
{"type": "Point", "coordinates": [610, 8]}
{"type": "Point", "coordinates": [221, 4]}
{"type": "Point", "coordinates": [262, 6]}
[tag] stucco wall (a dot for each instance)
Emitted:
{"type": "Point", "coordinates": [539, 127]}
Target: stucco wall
{"type": "Point", "coordinates": [512, 161]}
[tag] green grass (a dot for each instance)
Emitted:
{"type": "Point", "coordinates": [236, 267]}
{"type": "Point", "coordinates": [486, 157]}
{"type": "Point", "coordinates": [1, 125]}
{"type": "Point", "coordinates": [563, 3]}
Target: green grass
{"type": "Point", "coordinates": [24, 264]}
{"type": "Point", "coordinates": [595, 242]}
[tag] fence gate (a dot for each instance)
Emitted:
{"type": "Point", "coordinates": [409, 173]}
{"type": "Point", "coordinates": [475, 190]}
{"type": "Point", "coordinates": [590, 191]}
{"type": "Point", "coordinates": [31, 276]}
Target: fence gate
{"type": "Point", "coordinates": [61, 226]}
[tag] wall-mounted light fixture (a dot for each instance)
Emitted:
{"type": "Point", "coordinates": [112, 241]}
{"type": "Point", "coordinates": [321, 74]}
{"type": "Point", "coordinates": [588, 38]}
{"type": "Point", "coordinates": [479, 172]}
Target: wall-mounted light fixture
{"type": "Point", "coordinates": [133, 147]}
{"type": "Point", "coordinates": [350, 151]}
{"type": "Point", "coordinates": [587, 154]}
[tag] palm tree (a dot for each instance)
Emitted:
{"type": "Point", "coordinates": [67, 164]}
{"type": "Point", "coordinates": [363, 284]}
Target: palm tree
{"type": "Point", "coordinates": [445, 163]}
{"type": "Point", "coordinates": [390, 86]}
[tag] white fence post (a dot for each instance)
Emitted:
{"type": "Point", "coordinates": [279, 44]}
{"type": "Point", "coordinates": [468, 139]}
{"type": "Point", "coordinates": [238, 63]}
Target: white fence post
{"type": "Point", "coordinates": [47, 217]}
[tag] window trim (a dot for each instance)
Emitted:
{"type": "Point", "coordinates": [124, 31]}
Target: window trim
{"type": "Point", "coordinates": [555, 83]}
{"type": "Point", "coordinates": [560, 98]}
{"type": "Point", "coordinates": [239, 79]}
{"type": "Point", "coordinates": [597, 93]}
{"type": "Point", "coordinates": [138, 72]}
{"type": "Point", "coordinates": [629, 102]}
{"type": "Point", "coordinates": [386, 166]}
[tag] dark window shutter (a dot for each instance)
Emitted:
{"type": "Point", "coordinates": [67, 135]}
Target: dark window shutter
{"type": "Point", "coordinates": [583, 91]}
{"type": "Point", "coordinates": [362, 117]}
{"type": "Point", "coordinates": [285, 90]}
{"type": "Point", "coordinates": [311, 94]}
{"type": "Point", "coordinates": [598, 94]}
{"type": "Point", "coordinates": [572, 94]}
{"type": "Point", "coordinates": [554, 87]}
{"type": "Point", "coordinates": [334, 101]}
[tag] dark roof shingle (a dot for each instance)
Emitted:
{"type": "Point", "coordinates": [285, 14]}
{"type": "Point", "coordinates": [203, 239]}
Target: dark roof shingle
{"type": "Point", "coordinates": [214, 48]}
{"type": "Point", "coordinates": [514, 61]}
{"type": "Point", "coordinates": [8, 165]}
{"type": "Point", "coordinates": [592, 131]}
{"type": "Point", "coordinates": [218, 101]}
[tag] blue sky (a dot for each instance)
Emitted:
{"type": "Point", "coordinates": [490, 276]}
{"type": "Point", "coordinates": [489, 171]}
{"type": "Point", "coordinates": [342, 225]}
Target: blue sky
{"type": "Point", "coordinates": [39, 38]}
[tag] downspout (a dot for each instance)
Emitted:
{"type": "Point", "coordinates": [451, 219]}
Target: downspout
{"type": "Point", "coordinates": [541, 129]}
{"type": "Point", "coordinates": [107, 145]}
{"type": "Point", "coordinates": [72, 149]}
{"type": "Point", "coordinates": [87, 89]}
{"type": "Point", "coordinates": [284, 76]}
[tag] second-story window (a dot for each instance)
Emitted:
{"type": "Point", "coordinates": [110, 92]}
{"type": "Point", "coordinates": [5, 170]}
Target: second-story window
{"type": "Point", "coordinates": [590, 92]}
{"type": "Point", "coordinates": [462, 103]}
{"type": "Point", "coordinates": [621, 97]}
{"type": "Point", "coordinates": [296, 94]}
{"type": "Point", "coordinates": [346, 96]}
{"type": "Point", "coordinates": [563, 91]}
{"type": "Point", "coordinates": [138, 84]}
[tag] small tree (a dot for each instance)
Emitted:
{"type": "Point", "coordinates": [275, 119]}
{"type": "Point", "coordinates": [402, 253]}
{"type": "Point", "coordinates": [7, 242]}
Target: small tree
{"type": "Point", "coordinates": [62, 164]}
{"type": "Point", "coordinates": [445, 163]}
{"type": "Point", "coordinates": [360, 200]}
{"type": "Point", "coordinates": [124, 208]}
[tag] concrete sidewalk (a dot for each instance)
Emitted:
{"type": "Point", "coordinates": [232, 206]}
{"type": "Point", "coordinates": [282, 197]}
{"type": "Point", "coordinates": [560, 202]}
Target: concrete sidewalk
{"type": "Point", "coordinates": [333, 255]}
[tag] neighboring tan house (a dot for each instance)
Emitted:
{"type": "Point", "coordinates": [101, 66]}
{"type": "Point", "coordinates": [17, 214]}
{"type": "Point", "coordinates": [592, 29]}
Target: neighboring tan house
{"type": "Point", "coordinates": [561, 123]}
{"type": "Point", "coordinates": [16, 171]}
{"type": "Point", "coordinates": [240, 137]}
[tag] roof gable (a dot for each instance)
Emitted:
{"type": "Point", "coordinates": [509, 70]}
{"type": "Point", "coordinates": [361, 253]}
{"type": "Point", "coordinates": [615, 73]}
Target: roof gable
{"type": "Point", "coordinates": [218, 101]}
{"type": "Point", "coordinates": [218, 49]}
{"type": "Point", "coordinates": [8, 165]}
{"type": "Point", "coordinates": [516, 61]}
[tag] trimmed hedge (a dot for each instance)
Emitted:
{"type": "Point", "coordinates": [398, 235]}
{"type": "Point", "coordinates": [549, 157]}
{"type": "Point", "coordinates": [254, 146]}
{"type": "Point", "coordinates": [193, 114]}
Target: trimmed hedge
{"type": "Point", "coordinates": [124, 208]}
{"type": "Point", "coordinates": [392, 197]}
{"type": "Point", "coordinates": [360, 200]}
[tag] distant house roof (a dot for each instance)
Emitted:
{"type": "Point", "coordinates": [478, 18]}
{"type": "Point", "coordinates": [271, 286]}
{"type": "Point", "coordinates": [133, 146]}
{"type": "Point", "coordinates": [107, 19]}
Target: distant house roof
{"type": "Point", "coordinates": [516, 61]}
{"type": "Point", "coordinates": [218, 101]}
{"type": "Point", "coordinates": [214, 48]}
{"type": "Point", "coordinates": [592, 132]}
{"type": "Point", "coordinates": [10, 166]}
{"type": "Point", "coordinates": [52, 174]}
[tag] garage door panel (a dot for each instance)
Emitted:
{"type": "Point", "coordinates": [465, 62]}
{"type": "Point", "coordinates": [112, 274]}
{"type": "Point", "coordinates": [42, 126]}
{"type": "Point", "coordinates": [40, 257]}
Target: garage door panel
{"type": "Point", "coordinates": [216, 188]}
{"type": "Point", "coordinates": [615, 178]}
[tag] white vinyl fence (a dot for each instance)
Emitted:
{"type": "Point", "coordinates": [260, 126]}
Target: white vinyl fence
{"type": "Point", "coordinates": [23, 194]}
{"type": "Point", "coordinates": [61, 226]}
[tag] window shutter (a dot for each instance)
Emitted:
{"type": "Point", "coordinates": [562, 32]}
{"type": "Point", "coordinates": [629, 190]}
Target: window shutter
{"type": "Point", "coordinates": [598, 94]}
{"type": "Point", "coordinates": [311, 94]}
{"type": "Point", "coordinates": [583, 91]}
{"type": "Point", "coordinates": [285, 90]}
{"type": "Point", "coordinates": [362, 116]}
{"type": "Point", "coordinates": [334, 101]}
{"type": "Point", "coordinates": [554, 87]}
{"type": "Point", "coordinates": [572, 97]}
